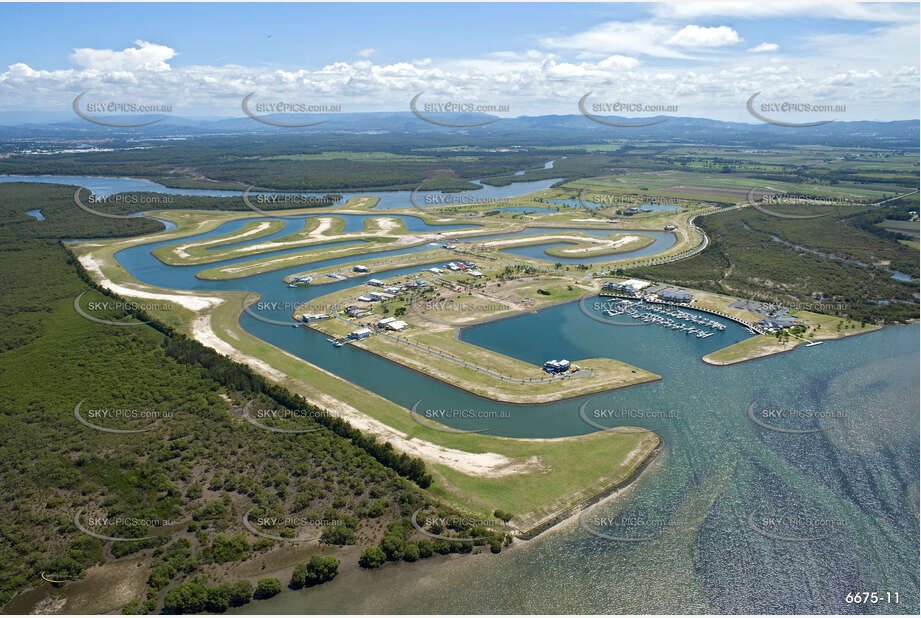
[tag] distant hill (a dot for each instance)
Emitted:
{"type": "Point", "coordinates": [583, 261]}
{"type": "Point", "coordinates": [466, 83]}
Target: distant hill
{"type": "Point", "coordinates": [524, 129]}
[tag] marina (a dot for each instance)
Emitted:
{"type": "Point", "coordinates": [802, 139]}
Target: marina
{"type": "Point", "coordinates": [674, 319]}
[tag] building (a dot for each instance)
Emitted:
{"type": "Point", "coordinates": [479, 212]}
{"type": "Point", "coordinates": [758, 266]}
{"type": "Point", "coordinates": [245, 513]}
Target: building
{"type": "Point", "coordinates": [773, 324]}
{"type": "Point", "coordinates": [437, 271]}
{"type": "Point", "coordinates": [365, 299]}
{"type": "Point", "coordinates": [361, 333]}
{"type": "Point", "coordinates": [476, 273]}
{"type": "Point", "coordinates": [376, 283]}
{"type": "Point", "coordinates": [360, 269]}
{"type": "Point", "coordinates": [555, 366]}
{"type": "Point", "coordinates": [385, 322]}
{"type": "Point", "coordinates": [354, 311]}
{"type": "Point", "coordinates": [669, 228]}
{"type": "Point", "coordinates": [630, 287]}
{"type": "Point", "coordinates": [396, 325]}
{"type": "Point", "coordinates": [394, 289]}
{"type": "Point", "coordinates": [307, 318]}
{"type": "Point", "coordinates": [672, 295]}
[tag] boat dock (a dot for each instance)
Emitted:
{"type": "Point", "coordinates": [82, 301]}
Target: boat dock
{"type": "Point", "coordinates": [674, 319]}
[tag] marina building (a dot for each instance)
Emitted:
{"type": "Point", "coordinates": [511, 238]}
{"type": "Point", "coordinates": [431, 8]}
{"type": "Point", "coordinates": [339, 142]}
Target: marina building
{"type": "Point", "coordinates": [630, 287]}
{"type": "Point", "coordinates": [672, 295]}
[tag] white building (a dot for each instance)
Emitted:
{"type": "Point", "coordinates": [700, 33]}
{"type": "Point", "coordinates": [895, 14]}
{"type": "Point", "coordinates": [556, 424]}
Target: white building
{"type": "Point", "coordinates": [361, 333]}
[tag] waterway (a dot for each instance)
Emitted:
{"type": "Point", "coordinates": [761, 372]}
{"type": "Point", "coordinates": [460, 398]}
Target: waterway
{"type": "Point", "coordinates": [785, 483]}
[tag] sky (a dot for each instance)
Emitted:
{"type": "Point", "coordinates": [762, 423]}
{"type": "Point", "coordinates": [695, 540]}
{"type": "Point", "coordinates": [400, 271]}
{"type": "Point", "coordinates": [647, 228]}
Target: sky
{"type": "Point", "coordinates": [703, 59]}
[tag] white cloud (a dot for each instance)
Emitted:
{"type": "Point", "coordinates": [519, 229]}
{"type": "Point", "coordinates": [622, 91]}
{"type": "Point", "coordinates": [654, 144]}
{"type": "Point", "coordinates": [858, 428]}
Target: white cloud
{"type": "Point", "coordinates": [702, 36]}
{"type": "Point", "coordinates": [876, 67]}
{"type": "Point", "coordinates": [145, 57]}
{"type": "Point", "coordinates": [367, 52]}
{"type": "Point", "coordinates": [828, 9]}
{"type": "Point", "coordinates": [615, 37]}
{"type": "Point", "coordinates": [764, 47]}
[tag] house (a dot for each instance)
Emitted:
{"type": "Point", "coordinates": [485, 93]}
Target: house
{"type": "Point", "coordinates": [396, 325]}
{"type": "Point", "coordinates": [437, 271]}
{"type": "Point", "coordinates": [476, 273]}
{"type": "Point", "coordinates": [379, 296]}
{"type": "Point", "coordinates": [354, 311]}
{"type": "Point", "coordinates": [669, 228]}
{"type": "Point", "coordinates": [360, 269]}
{"type": "Point", "coordinates": [307, 318]}
{"type": "Point", "coordinates": [385, 322]}
{"type": "Point", "coordinates": [394, 289]}
{"type": "Point", "coordinates": [672, 295]}
{"type": "Point", "coordinates": [365, 299]}
{"type": "Point", "coordinates": [361, 333]}
{"type": "Point", "coordinates": [453, 267]}
{"type": "Point", "coordinates": [376, 283]}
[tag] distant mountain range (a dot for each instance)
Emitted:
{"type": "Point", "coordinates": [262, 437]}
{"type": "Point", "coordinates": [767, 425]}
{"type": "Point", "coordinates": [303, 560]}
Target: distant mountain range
{"type": "Point", "coordinates": [61, 125]}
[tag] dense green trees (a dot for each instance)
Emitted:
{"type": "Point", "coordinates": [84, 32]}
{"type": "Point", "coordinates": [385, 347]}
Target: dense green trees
{"type": "Point", "coordinates": [267, 587]}
{"type": "Point", "coordinates": [372, 557]}
{"type": "Point", "coordinates": [318, 570]}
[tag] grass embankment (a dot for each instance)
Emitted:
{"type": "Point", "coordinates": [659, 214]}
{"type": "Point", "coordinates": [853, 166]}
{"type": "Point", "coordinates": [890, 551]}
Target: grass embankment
{"type": "Point", "coordinates": [592, 249]}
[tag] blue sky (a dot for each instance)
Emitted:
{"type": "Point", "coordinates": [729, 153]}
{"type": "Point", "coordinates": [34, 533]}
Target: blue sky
{"type": "Point", "coordinates": [703, 57]}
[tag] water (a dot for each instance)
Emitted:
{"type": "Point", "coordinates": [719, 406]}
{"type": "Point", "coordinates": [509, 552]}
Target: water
{"type": "Point", "coordinates": [661, 242]}
{"type": "Point", "coordinates": [857, 475]}
{"type": "Point", "coordinates": [900, 276]}
{"type": "Point", "coordinates": [104, 186]}
{"type": "Point", "coordinates": [37, 213]}
{"type": "Point", "coordinates": [860, 473]}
